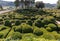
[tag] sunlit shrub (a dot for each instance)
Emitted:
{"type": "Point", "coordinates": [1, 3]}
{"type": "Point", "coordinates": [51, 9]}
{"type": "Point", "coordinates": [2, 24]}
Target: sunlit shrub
{"type": "Point", "coordinates": [38, 32]}
{"type": "Point", "coordinates": [52, 26]}
{"type": "Point", "coordinates": [26, 28]}
{"type": "Point", "coordinates": [16, 35]}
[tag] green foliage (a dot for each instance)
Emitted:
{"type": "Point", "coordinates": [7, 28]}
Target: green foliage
{"type": "Point", "coordinates": [49, 29]}
{"type": "Point", "coordinates": [40, 4]}
{"type": "Point", "coordinates": [7, 23]}
{"type": "Point", "coordinates": [18, 28]}
{"type": "Point", "coordinates": [1, 35]}
{"type": "Point", "coordinates": [48, 19]}
{"type": "Point", "coordinates": [26, 28]}
{"type": "Point", "coordinates": [58, 4]}
{"type": "Point", "coordinates": [38, 32]}
{"type": "Point", "coordinates": [28, 35]}
{"type": "Point", "coordinates": [17, 23]}
{"type": "Point", "coordinates": [39, 23]}
{"type": "Point", "coordinates": [52, 26]}
{"type": "Point", "coordinates": [16, 35]}
{"type": "Point", "coordinates": [17, 3]}
{"type": "Point", "coordinates": [3, 27]}
{"type": "Point", "coordinates": [4, 33]}
{"type": "Point", "coordinates": [30, 23]}
{"type": "Point", "coordinates": [48, 36]}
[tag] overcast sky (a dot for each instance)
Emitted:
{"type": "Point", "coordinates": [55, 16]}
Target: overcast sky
{"type": "Point", "coordinates": [45, 1]}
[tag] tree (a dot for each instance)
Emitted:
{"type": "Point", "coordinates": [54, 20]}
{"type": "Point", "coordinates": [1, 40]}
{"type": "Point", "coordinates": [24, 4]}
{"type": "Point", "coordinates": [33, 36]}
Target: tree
{"type": "Point", "coordinates": [1, 7]}
{"type": "Point", "coordinates": [58, 4]}
{"type": "Point", "coordinates": [17, 2]}
{"type": "Point", "coordinates": [22, 1]}
{"type": "Point", "coordinates": [27, 4]}
{"type": "Point", "coordinates": [39, 4]}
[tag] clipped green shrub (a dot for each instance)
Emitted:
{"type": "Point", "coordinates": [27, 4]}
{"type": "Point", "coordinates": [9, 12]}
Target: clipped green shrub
{"type": "Point", "coordinates": [48, 36]}
{"type": "Point", "coordinates": [7, 23]}
{"type": "Point", "coordinates": [48, 19]}
{"type": "Point", "coordinates": [49, 29]}
{"type": "Point", "coordinates": [52, 26]}
{"type": "Point", "coordinates": [26, 28]}
{"type": "Point", "coordinates": [28, 35]}
{"type": "Point", "coordinates": [2, 27]}
{"type": "Point", "coordinates": [16, 35]}
{"type": "Point", "coordinates": [30, 23]}
{"type": "Point", "coordinates": [38, 32]}
{"type": "Point", "coordinates": [18, 29]}
{"type": "Point", "coordinates": [39, 23]}
{"type": "Point", "coordinates": [1, 35]}
{"type": "Point", "coordinates": [17, 23]}
{"type": "Point", "coordinates": [4, 33]}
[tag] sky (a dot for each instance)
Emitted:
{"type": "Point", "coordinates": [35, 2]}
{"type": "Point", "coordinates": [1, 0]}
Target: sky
{"type": "Point", "coordinates": [45, 1]}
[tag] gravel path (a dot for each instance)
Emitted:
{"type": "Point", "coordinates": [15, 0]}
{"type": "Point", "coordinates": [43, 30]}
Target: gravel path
{"type": "Point", "coordinates": [58, 22]}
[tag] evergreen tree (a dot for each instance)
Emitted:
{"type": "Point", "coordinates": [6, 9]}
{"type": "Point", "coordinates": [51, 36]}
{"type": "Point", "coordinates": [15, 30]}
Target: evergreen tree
{"type": "Point", "coordinates": [39, 4]}
{"type": "Point", "coordinates": [58, 4]}
{"type": "Point", "coordinates": [17, 2]}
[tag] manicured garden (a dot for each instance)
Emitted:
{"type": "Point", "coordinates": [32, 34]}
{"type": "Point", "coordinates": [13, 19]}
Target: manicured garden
{"type": "Point", "coordinates": [30, 25]}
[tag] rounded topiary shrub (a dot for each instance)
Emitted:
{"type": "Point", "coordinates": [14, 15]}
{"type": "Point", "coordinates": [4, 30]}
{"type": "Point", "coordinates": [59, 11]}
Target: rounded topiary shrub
{"type": "Point", "coordinates": [2, 27]}
{"type": "Point", "coordinates": [48, 36]}
{"type": "Point", "coordinates": [7, 23]}
{"type": "Point", "coordinates": [38, 23]}
{"type": "Point", "coordinates": [49, 29]}
{"type": "Point", "coordinates": [17, 29]}
{"type": "Point", "coordinates": [1, 35]}
{"type": "Point", "coordinates": [30, 23]}
{"type": "Point", "coordinates": [26, 28]}
{"type": "Point", "coordinates": [16, 35]}
{"type": "Point", "coordinates": [52, 26]}
{"type": "Point", "coordinates": [48, 19]}
{"type": "Point", "coordinates": [38, 32]}
{"type": "Point", "coordinates": [17, 23]}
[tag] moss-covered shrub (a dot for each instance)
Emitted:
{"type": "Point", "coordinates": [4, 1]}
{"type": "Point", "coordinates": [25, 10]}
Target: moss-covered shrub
{"type": "Point", "coordinates": [38, 32]}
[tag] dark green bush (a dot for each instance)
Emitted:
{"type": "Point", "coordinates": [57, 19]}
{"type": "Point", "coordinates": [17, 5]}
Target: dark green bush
{"type": "Point", "coordinates": [1, 35]}
{"type": "Point", "coordinates": [30, 23]}
{"type": "Point", "coordinates": [26, 28]}
{"type": "Point", "coordinates": [38, 32]}
{"type": "Point", "coordinates": [38, 23]}
{"type": "Point", "coordinates": [48, 19]}
{"type": "Point", "coordinates": [18, 29]}
{"type": "Point", "coordinates": [8, 23]}
{"type": "Point", "coordinates": [17, 23]}
{"type": "Point", "coordinates": [16, 35]}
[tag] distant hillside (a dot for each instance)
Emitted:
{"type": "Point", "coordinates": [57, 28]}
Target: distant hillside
{"type": "Point", "coordinates": [48, 5]}
{"type": "Point", "coordinates": [6, 3]}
